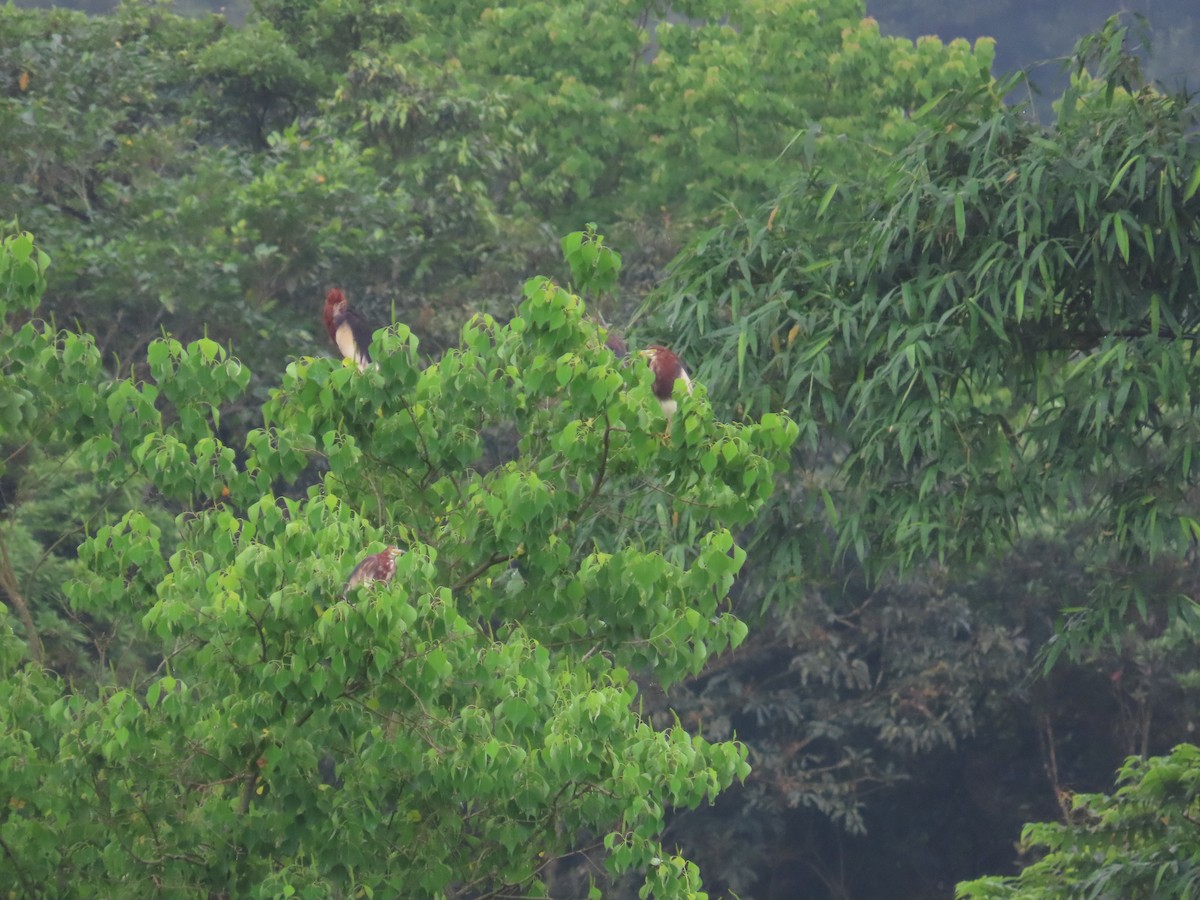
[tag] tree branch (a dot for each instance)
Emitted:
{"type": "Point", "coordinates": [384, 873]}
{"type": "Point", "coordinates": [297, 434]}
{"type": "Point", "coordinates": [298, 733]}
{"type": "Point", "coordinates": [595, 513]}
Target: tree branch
{"type": "Point", "coordinates": [8, 581]}
{"type": "Point", "coordinates": [494, 560]}
{"type": "Point", "coordinates": [29, 892]}
{"type": "Point", "coordinates": [599, 482]}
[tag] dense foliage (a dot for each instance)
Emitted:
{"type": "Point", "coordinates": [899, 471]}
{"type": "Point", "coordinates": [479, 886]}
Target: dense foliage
{"type": "Point", "coordinates": [427, 156]}
{"type": "Point", "coordinates": [988, 346]}
{"type": "Point", "coordinates": [981, 326]}
{"type": "Point", "coordinates": [477, 712]}
{"type": "Point", "coordinates": [972, 327]}
{"type": "Point", "coordinates": [1140, 842]}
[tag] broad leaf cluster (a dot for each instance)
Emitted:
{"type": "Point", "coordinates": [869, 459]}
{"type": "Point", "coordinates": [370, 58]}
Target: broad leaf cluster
{"type": "Point", "coordinates": [1139, 842]}
{"type": "Point", "coordinates": [457, 729]}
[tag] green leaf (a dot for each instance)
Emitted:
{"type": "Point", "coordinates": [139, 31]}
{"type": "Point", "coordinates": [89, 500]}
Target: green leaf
{"type": "Point", "coordinates": [1193, 184]}
{"type": "Point", "coordinates": [1121, 236]}
{"type": "Point", "coordinates": [826, 199]}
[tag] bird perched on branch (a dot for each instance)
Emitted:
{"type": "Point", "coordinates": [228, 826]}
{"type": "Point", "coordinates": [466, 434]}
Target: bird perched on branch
{"type": "Point", "coordinates": [376, 567]}
{"type": "Point", "coordinates": [347, 328]}
{"type": "Point", "coordinates": [667, 369]}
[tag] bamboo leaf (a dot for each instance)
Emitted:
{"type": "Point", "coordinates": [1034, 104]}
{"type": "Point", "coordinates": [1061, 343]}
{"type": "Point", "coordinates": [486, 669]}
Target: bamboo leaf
{"type": "Point", "coordinates": [1116, 179]}
{"type": "Point", "coordinates": [1193, 184]}
{"type": "Point", "coordinates": [825, 200]}
{"type": "Point", "coordinates": [1121, 236]}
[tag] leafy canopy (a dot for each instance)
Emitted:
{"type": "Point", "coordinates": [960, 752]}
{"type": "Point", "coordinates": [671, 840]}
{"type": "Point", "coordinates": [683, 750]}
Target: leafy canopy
{"type": "Point", "coordinates": [1139, 842]}
{"type": "Point", "coordinates": [213, 179]}
{"type": "Point", "coordinates": [457, 729]}
{"type": "Point", "coordinates": [995, 332]}
{"type": "Point", "coordinates": [989, 344]}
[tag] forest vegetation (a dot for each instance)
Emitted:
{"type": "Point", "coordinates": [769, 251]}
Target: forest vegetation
{"type": "Point", "coordinates": [901, 601]}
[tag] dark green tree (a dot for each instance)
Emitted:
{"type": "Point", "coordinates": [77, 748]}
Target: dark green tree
{"type": "Point", "coordinates": [1140, 842]}
{"type": "Point", "coordinates": [214, 180]}
{"type": "Point", "coordinates": [988, 345]}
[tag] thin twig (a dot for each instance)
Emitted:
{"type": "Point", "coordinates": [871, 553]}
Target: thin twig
{"type": "Point", "coordinates": [494, 560]}
{"type": "Point", "coordinates": [29, 892]}
{"type": "Point", "coordinates": [596, 485]}
{"type": "Point", "coordinates": [8, 581]}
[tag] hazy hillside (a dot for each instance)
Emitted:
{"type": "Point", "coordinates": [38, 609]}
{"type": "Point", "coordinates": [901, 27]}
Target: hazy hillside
{"type": "Point", "coordinates": [1036, 36]}
{"type": "Point", "coordinates": [1028, 34]}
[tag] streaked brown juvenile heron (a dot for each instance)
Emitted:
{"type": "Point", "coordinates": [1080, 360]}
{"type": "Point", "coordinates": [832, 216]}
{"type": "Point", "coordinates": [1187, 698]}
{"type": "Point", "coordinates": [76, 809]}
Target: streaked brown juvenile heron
{"type": "Point", "coordinates": [376, 567]}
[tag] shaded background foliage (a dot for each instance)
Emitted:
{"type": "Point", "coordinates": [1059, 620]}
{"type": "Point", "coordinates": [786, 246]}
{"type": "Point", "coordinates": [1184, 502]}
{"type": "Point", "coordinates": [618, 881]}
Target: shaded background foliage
{"type": "Point", "coordinates": [967, 354]}
{"type": "Point", "coordinates": [206, 179]}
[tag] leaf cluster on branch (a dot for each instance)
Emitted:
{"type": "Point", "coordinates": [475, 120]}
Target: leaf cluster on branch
{"type": "Point", "coordinates": [453, 731]}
